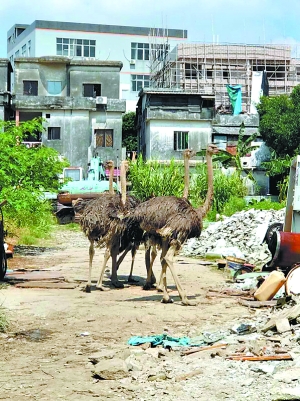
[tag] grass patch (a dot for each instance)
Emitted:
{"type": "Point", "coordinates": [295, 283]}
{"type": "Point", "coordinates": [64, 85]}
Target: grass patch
{"type": "Point", "coordinates": [4, 323]}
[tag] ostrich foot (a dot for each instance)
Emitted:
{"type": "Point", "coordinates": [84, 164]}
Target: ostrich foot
{"type": "Point", "coordinates": [88, 288]}
{"type": "Point", "coordinates": [132, 280]}
{"type": "Point", "coordinates": [167, 301]}
{"type": "Point", "coordinates": [148, 286]}
{"type": "Point", "coordinates": [101, 288]}
{"type": "Point", "coordinates": [117, 284]}
{"type": "Point", "coordinates": [187, 302]}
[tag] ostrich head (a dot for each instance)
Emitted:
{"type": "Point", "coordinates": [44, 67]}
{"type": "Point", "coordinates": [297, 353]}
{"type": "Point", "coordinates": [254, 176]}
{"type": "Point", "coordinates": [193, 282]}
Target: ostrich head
{"type": "Point", "coordinates": [188, 153]}
{"type": "Point", "coordinates": [109, 164]}
{"type": "Point", "coordinates": [212, 149]}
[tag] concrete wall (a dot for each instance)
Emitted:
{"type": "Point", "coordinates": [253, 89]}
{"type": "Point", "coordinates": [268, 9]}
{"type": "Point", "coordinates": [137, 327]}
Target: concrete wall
{"type": "Point", "coordinates": [160, 137]}
{"type": "Point", "coordinates": [112, 43]}
{"type": "Point", "coordinates": [75, 115]}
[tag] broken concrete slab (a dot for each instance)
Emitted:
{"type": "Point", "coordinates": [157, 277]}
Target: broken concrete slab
{"type": "Point", "coordinates": [111, 369]}
{"type": "Point", "coordinates": [283, 325]}
{"type": "Point", "coordinates": [289, 313]}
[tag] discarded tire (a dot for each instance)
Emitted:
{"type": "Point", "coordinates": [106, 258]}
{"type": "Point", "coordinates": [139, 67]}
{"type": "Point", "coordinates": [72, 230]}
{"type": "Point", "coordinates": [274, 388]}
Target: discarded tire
{"type": "Point", "coordinates": [271, 230]}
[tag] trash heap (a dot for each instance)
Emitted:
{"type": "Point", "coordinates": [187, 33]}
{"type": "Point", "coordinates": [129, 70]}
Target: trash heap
{"type": "Point", "coordinates": [241, 235]}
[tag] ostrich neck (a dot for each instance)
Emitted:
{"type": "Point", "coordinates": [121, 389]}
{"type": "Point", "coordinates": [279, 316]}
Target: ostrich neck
{"type": "Point", "coordinates": [111, 180]}
{"type": "Point", "coordinates": [210, 190]}
{"type": "Point", "coordinates": [123, 184]}
{"type": "Point", "coordinates": [186, 178]}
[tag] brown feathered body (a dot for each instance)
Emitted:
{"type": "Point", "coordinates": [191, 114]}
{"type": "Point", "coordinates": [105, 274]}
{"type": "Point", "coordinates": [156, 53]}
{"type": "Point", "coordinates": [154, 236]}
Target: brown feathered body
{"type": "Point", "coordinates": [168, 217]}
{"type": "Point", "coordinates": [103, 221]}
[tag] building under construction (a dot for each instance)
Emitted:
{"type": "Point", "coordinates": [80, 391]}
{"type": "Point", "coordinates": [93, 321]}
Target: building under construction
{"type": "Point", "coordinates": [207, 69]}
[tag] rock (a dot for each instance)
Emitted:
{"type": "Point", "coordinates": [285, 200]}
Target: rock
{"type": "Point", "coordinates": [283, 325]}
{"type": "Point", "coordinates": [111, 369]}
{"type": "Point", "coordinates": [288, 375]}
{"type": "Point", "coordinates": [267, 368]}
{"type": "Point", "coordinates": [153, 352]}
{"type": "Point", "coordinates": [287, 394]}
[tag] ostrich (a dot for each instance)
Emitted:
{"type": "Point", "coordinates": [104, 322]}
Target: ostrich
{"type": "Point", "coordinates": [103, 223]}
{"type": "Point", "coordinates": [151, 241]}
{"type": "Point", "coordinates": [170, 221]}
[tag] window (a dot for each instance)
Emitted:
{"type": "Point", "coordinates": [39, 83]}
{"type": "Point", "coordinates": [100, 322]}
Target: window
{"type": "Point", "coordinates": [17, 53]}
{"type": "Point", "coordinates": [139, 81]}
{"type": "Point", "coordinates": [30, 88]}
{"type": "Point", "coordinates": [104, 138]}
{"type": "Point", "coordinates": [53, 133]}
{"type": "Point", "coordinates": [75, 47]}
{"type": "Point", "coordinates": [29, 48]}
{"type": "Point", "coordinates": [140, 51]}
{"type": "Point", "coordinates": [91, 90]}
{"type": "Point", "coordinates": [48, 115]}
{"type": "Point", "coordinates": [54, 87]}
{"type": "Point", "coordinates": [24, 51]}
{"type": "Point", "coordinates": [181, 140]}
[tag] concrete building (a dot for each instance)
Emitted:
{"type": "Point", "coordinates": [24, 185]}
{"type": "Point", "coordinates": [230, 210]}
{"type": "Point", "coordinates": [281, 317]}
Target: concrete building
{"type": "Point", "coordinates": [5, 95]}
{"type": "Point", "coordinates": [130, 45]}
{"type": "Point", "coordinates": [64, 92]}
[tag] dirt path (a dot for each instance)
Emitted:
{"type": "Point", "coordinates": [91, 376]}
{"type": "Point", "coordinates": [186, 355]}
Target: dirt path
{"type": "Point", "coordinates": [79, 325]}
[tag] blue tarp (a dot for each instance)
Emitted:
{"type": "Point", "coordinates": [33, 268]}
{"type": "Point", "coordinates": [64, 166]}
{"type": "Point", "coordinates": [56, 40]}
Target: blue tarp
{"type": "Point", "coordinates": [235, 96]}
{"type": "Point", "coordinates": [162, 339]}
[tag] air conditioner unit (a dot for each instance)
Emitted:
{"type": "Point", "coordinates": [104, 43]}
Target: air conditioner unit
{"type": "Point", "coordinates": [132, 61]}
{"type": "Point", "coordinates": [246, 162]}
{"type": "Point", "coordinates": [101, 100]}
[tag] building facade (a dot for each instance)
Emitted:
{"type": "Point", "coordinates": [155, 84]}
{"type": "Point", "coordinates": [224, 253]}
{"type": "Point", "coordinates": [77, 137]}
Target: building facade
{"type": "Point", "coordinates": [64, 91]}
{"type": "Point", "coordinates": [5, 95]}
{"type": "Point", "coordinates": [133, 46]}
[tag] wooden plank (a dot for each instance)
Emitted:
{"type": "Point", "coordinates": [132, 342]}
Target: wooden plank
{"type": "Point", "coordinates": [279, 357]}
{"type": "Point", "coordinates": [256, 304]}
{"type": "Point", "coordinates": [197, 349]}
{"type": "Point", "coordinates": [45, 284]}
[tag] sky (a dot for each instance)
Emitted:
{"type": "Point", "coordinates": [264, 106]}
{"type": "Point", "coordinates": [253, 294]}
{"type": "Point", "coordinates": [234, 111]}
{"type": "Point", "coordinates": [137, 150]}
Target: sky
{"type": "Point", "coordinates": [223, 21]}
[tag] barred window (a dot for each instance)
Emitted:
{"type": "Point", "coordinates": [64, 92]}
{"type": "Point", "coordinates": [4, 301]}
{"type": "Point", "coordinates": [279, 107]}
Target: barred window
{"type": "Point", "coordinates": [104, 138]}
{"type": "Point", "coordinates": [181, 140]}
{"type": "Point", "coordinates": [75, 47]}
{"type": "Point", "coordinates": [91, 90]}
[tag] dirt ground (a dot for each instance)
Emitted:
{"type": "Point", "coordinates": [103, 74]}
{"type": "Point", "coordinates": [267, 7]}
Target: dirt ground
{"type": "Point", "coordinates": [78, 325]}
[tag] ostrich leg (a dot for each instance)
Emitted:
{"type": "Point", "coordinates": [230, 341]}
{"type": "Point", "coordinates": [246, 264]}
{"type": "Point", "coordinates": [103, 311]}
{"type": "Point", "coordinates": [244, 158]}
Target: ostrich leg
{"type": "Point", "coordinates": [149, 266]}
{"type": "Point", "coordinates": [133, 253]}
{"type": "Point", "coordinates": [169, 260]}
{"type": "Point", "coordinates": [163, 278]}
{"type": "Point", "coordinates": [99, 285]}
{"type": "Point", "coordinates": [91, 255]}
{"type": "Point", "coordinates": [114, 277]}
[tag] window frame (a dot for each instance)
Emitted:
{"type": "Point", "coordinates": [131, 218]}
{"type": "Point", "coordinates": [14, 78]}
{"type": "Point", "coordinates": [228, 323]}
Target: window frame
{"type": "Point", "coordinates": [53, 132]}
{"type": "Point", "coordinates": [27, 92]}
{"type": "Point", "coordinates": [54, 92]}
{"type": "Point", "coordinates": [71, 47]}
{"type": "Point", "coordinates": [96, 89]}
{"type": "Point", "coordinates": [106, 134]}
{"type": "Point", "coordinates": [180, 142]}
{"type": "Point", "coordinates": [139, 81]}
{"type": "Point", "coordinates": [140, 51]}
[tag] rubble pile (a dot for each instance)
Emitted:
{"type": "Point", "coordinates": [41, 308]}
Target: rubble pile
{"type": "Point", "coordinates": [240, 235]}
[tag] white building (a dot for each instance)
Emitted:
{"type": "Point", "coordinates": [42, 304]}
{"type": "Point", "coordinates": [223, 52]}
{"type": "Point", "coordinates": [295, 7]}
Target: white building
{"type": "Point", "coordinates": [128, 44]}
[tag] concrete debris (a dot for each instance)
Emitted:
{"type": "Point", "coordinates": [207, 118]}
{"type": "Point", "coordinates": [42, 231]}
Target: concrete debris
{"type": "Point", "coordinates": [240, 231]}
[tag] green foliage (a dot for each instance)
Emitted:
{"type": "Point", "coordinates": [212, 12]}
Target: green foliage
{"type": "Point", "coordinates": [153, 179]}
{"type": "Point", "coordinates": [243, 147]}
{"type": "Point", "coordinates": [24, 174]}
{"type": "Point", "coordinates": [233, 205]}
{"type": "Point", "coordinates": [225, 187]}
{"type": "Point", "coordinates": [265, 204]}
{"type": "Point", "coordinates": [129, 132]}
{"type": "Point", "coordinates": [279, 123]}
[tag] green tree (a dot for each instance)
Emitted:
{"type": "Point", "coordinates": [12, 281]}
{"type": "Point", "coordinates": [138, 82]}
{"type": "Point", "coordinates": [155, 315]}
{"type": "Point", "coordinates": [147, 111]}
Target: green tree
{"type": "Point", "coordinates": [129, 132]}
{"type": "Point", "coordinates": [279, 123]}
{"type": "Point", "coordinates": [25, 173]}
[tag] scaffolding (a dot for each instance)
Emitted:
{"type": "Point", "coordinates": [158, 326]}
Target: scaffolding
{"type": "Point", "coordinates": [207, 68]}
